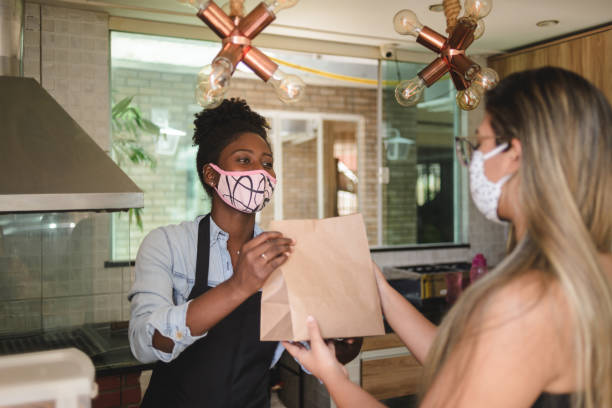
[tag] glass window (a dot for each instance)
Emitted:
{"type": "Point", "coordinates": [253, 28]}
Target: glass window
{"type": "Point", "coordinates": [421, 200]}
{"type": "Point", "coordinates": [326, 147]}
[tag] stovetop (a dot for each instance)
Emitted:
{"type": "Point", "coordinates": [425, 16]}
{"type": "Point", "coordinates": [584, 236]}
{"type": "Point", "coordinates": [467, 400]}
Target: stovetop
{"type": "Point", "coordinates": [78, 338]}
{"type": "Point", "coordinates": [415, 271]}
{"type": "Point", "coordinates": [439, 267]}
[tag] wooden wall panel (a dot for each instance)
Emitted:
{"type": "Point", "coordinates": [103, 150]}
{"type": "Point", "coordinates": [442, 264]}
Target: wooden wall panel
{"type": "Point", "coordinates": [588, 54]}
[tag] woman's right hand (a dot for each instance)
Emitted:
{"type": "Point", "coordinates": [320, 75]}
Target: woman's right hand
{"type": "Point", "coordinates": [320, 357]}
{"type": "Point", "coordinates": [258, 258]}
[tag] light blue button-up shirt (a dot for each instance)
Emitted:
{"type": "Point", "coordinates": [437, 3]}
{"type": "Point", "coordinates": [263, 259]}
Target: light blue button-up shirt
{"type": "Point", "coordinates": [165, 274]}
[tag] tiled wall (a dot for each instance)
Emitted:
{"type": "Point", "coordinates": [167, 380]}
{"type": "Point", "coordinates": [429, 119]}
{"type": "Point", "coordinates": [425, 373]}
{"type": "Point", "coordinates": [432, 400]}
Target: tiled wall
{"type": "Point", "coordinates": [66, 50]}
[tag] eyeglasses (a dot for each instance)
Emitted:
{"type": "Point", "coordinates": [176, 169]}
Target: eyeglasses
{"type": "Point", "coordinates": [465, 149]}
{"type": "Point", "coordinates": [466, 146]}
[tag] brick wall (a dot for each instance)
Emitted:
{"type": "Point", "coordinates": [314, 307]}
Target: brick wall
{"type": "Point", "coordinates": [118, 391]}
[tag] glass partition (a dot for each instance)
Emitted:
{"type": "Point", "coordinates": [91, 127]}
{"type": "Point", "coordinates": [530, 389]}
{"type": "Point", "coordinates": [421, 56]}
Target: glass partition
{"type": "Point", "coordinates": [422, 193]}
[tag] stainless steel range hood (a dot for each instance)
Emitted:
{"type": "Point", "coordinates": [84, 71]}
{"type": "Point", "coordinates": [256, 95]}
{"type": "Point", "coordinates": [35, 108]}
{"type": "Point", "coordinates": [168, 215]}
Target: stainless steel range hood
{"type": "Point", "coordinates": [47, 161]}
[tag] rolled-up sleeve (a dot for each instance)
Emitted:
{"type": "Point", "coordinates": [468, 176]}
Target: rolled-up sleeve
{"type": "Point", "coordinates": [152, 304]}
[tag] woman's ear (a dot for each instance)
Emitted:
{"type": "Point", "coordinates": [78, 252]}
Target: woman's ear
{"type": "Point", "coordinates": [516, 152]}
{"type": "Point", "coordinates": [211, 177]}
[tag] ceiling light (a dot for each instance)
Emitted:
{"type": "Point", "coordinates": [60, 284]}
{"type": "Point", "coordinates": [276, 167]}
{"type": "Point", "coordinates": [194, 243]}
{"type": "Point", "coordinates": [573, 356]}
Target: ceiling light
{"type": "Point", "coordinates": [237, 31]}
{"type": "Point", "coordinates": [546, 23]}
{"type": "Point", "coordinates": [436, 7]}
{"type": "Point", "coordinates": [470, 80]}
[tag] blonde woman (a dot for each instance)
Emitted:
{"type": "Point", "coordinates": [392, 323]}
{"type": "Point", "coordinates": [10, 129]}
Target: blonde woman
{"type": "Point", "coordinates": [537, 330]}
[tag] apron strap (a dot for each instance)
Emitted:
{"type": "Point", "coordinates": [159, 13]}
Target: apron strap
{"type": "Point", "coordinates": [201, 279]}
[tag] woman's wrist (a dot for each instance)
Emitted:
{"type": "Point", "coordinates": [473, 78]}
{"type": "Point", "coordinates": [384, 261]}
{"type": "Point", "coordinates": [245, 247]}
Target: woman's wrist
{"type": "Point", "coordinates": [237, 291]}
{"type": "Point", "coordinates": [334, 377]}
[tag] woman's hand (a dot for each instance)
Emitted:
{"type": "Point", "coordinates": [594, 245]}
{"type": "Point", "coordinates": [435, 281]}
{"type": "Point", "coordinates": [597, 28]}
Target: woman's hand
{"type": "Point", "coordinates": [320, 359]}
{"type": "Point", "coordinates": [258, 258]}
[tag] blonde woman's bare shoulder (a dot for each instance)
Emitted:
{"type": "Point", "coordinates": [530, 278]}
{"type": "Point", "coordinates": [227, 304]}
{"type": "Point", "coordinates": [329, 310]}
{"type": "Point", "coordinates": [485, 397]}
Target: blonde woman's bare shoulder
{"type": "Point", "coordinates": [532, 302]}
{"type": "Point", "coordinates": [532, 315]}
{"type": "Point", "coordinates": [514, 347]}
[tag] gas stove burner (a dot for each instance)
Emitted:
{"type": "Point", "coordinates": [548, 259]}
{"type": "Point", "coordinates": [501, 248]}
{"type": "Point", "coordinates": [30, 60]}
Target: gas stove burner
{"type": "Point", "coordinates": [50, 340]}
{"type": "Point", "coordinates": [434, 268]}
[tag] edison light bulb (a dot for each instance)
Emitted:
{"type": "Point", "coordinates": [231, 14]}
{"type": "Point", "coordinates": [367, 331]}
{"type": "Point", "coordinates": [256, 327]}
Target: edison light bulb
{"type": "Point", "coordinates": [221, 74]}
{"type": "Point", "coordinates": [289, 88]}
{"type": "Point", "coordinates": [477, 8]}
{"type": "Point", "coordinates": [486, 79]}
{"type": "Point", "coordinates": [408, 93]}
{"type": "Point", "coordinates": [227, 9]}
{"type": "Point", "coordinates": [480, 29]}
{"type": "Point", "coordinates": [468, 99]}
{"type": "Point", "coordinates": [196, 4]}
{"type": "Point", "coordinates": [406, 22]}
{"type": "Point", "coordinates": [278, 5]}
{"type": "Point", "coordinates": [205, 98]}
{"type": "Point", "coordinates": [213, 83]}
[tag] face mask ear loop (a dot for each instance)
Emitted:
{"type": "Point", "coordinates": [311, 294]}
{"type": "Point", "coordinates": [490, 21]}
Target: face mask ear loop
{"type": "Point", "coordinates": [495, 151]}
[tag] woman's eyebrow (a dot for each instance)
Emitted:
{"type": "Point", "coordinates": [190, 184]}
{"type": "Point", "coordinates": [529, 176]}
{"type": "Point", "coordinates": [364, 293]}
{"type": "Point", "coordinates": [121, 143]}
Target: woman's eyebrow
{"type": "Point", "coordinates": [268, 154]}
{"type": "Point", "coordinates": [243, 150]}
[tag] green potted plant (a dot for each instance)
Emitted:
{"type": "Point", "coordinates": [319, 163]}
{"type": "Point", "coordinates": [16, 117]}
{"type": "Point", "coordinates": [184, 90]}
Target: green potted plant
{"type": "Point", "coordinates": [128, 124]}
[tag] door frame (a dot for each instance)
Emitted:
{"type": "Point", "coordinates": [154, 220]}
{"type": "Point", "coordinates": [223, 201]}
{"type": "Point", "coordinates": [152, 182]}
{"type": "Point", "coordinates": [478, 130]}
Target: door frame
{"type": "Point", "coordinates": [319, 117]}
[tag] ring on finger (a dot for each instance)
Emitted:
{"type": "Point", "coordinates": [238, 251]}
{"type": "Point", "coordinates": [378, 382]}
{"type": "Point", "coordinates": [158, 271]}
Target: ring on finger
{"type": "Point", "coordinates": [263, 255]}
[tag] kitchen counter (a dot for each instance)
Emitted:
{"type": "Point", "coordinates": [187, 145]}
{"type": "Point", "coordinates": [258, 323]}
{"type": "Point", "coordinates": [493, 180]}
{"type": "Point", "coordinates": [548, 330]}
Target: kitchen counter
{"type": "Point", "coordinates": [117, 357]}
{"type": "Point", "coordinates": [106, 344]}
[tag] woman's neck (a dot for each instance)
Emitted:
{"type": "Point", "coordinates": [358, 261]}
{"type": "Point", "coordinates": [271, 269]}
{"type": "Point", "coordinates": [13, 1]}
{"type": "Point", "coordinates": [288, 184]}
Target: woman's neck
{"type": "Point", "coordinates": [237, 224]}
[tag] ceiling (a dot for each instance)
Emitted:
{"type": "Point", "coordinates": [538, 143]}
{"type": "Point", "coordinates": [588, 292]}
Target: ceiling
{"type": "Point", "coordinates": [511, 23]}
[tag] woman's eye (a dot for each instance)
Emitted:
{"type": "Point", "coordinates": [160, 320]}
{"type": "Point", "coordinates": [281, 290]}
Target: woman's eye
{"type": "Point", "coordinates": [268, 165]}
{"type": "Point", "coordinates": [244, 160]}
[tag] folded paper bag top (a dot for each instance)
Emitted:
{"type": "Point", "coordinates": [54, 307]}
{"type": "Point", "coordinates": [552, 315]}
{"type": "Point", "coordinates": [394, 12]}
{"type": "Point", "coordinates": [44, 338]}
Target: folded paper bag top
{"type": "Point", "coordinates": [329, 276]}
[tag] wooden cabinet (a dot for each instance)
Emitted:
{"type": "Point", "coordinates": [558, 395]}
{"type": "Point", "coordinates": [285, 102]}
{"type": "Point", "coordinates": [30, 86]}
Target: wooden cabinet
{"type": "Point", "coordinates": [388, 370]}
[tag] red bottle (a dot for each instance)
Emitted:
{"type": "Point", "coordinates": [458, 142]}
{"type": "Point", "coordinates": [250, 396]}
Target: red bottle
{"type": "Point", "coordinates": [479, 267]}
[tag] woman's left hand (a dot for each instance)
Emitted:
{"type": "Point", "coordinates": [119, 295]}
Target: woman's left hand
{"type": "Point", "coordinates": [320, 359]}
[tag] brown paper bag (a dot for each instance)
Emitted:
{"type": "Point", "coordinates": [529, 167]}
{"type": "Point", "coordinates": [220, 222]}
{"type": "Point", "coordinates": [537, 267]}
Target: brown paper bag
{"type": "Point", "coordinates": [329, 276]}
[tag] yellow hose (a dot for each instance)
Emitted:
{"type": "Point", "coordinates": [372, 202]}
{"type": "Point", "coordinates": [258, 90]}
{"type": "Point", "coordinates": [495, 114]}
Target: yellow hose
{"type": "Point", "coordinates": [332, 75]}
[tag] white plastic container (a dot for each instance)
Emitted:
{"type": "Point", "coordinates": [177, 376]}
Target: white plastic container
{"type": "Point", "coordinates": [61, 378]}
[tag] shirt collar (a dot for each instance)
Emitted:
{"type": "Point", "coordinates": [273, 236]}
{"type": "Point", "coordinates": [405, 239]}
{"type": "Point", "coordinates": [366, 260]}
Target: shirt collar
{"type": "Point", "coordinates": [217, 234]}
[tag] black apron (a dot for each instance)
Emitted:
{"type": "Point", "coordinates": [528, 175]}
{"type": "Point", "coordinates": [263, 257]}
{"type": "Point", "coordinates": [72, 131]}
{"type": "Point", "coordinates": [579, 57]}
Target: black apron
{"type": "Point", "coordinates": [227, 368]}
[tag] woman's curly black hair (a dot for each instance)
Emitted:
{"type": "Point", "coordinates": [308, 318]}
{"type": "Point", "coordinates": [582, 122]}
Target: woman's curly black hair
{"type": "Point", "coordinates": [218, 127]}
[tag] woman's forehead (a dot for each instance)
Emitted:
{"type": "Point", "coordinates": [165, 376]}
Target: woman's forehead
{"type": "Point", "coordinates": [249, 141]}
{"type": "Point", "coordinates": [485, 129]}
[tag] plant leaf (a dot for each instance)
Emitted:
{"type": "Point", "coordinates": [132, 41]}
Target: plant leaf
{"type": "Point", "coordinates": [121, 106]}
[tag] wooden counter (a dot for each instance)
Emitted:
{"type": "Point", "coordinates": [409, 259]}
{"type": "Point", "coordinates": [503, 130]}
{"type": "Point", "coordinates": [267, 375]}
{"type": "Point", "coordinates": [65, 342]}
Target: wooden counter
{"type": "Point", "coordinates": [388, 370]}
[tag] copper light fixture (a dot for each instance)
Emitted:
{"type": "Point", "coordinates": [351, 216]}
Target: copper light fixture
{"type": "Point", "coordinates": [470, 80]}
{"type": "Point", "coordinates": [237, 31]}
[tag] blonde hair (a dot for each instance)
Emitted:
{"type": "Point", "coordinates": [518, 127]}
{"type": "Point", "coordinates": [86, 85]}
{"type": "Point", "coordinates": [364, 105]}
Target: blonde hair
{"type": "Point", "coordinates": [564, 125]}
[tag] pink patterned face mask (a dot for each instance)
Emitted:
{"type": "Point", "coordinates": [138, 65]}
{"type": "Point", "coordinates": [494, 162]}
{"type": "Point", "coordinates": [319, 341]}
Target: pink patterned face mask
{"type": "Point", "coordinates": [246, 191]}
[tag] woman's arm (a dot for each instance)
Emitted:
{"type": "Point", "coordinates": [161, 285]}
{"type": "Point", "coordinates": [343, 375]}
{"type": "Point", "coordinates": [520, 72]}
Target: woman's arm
{"type": "Point", "coordinates": [320, 360]}
{"type": "Point", "coordinates": [208, 309]}
{"type": "Point", "coordinates": [415, 331]}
